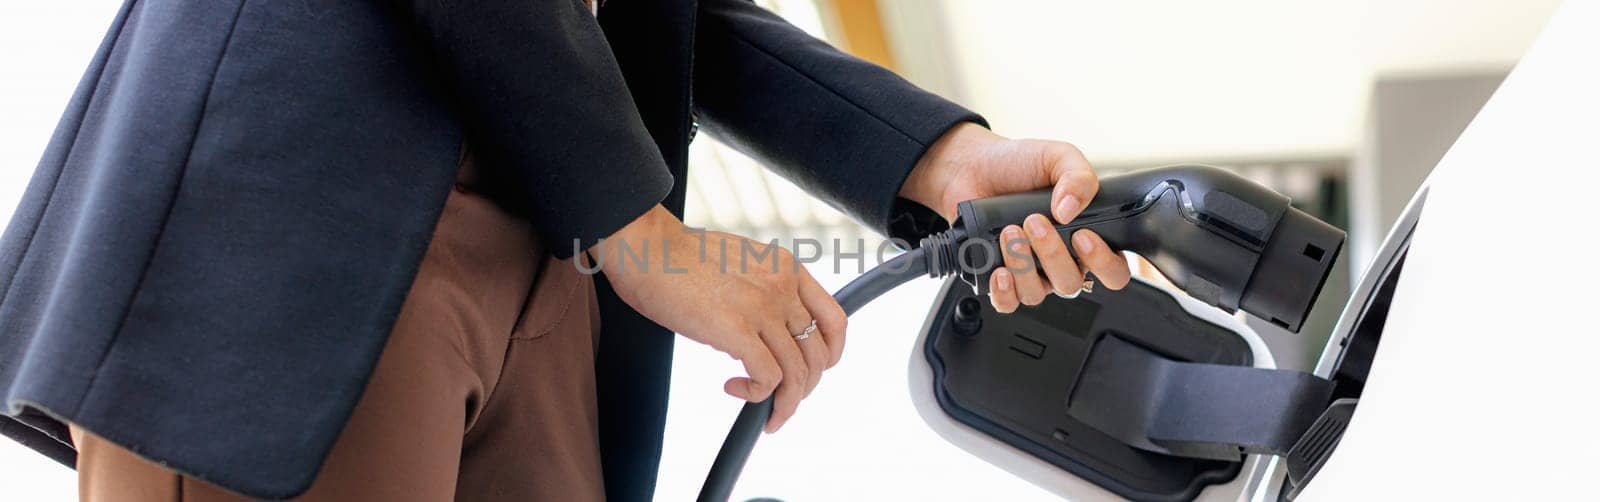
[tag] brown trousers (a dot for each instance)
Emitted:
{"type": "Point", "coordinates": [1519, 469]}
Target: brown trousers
{"type": "Point", "coordinates": [485, 391]}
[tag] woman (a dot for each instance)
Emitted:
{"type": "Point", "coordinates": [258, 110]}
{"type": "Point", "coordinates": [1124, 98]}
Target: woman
{"type": "Point", "coordinates": [247, 203]}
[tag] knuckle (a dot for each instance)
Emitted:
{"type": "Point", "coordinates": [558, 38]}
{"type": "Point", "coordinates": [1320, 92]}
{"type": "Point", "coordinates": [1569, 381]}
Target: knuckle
{"type": "Point", "coordinates": [767, 375]}
{"type": "Point", "coordinates": [1119, 280]}
{"type": "Point", "coordinates": [1112, 266]}
{"type": "Point", "coordinates": [1105, 261]}
{"type": "Point", "coordinates": [1070, 283]}
{"type": "Point", "coordinates": [1086, 179]}
{"type": "Point", "coordinates": [785, 260]}
{"type": "Point", "coordinates": [833, 314]}
{"type": "Point", "coordinates": [781, 282]}
{"type": "Point", "coordinates": [1070, 149]}
{"type": "Point", "coordinates": [738, 327]}
{"type": "Point", "coordinates": [1074, 268]}
{"type": "Point", "coordinates": [766, 362]}
{"type": "Point", "coordinates": [771, 303]}
{"type": "Point", "coordinates": [1050, 249]}
{"type": "Point", "coordinates": [1074, 154]}
{"type": "Point", "coordinates": [1034, 294]}
{"type": "Point", "coordinates": [763, 361]}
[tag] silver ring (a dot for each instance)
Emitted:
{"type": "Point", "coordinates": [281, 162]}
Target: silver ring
{"type": "Point", "coordinates": [807, 333]}
{"type": "Point", "coordinates": [1087, 287]}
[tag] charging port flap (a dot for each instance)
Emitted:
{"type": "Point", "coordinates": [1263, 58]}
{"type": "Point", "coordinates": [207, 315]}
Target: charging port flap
{"type": "Point", "coordinates": [1192, 409]}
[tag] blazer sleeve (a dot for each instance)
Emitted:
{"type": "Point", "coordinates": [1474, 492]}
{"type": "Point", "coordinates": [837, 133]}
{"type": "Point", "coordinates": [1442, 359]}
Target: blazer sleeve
{"type": "Point", "coordinates": [544, 103]}
{"type": "Point", "coordinates": [841, 128]}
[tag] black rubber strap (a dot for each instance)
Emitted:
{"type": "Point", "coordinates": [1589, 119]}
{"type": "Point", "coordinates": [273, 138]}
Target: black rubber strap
{"type": "Point", "coordinates": [1193, 409]}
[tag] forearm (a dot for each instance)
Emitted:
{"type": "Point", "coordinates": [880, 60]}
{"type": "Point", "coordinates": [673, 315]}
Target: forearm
{"type": "Point", "coordinates": [844, 129]}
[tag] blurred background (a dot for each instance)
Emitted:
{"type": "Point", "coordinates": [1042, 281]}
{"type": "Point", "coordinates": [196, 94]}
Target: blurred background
{"type": "Point", "coordinates": [1343, 106]}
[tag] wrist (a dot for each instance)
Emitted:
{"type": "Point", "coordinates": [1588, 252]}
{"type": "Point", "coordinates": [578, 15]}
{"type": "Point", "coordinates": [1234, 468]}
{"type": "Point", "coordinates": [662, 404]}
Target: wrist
{"type": "Point", "coordinates": [940, 166]}
{"type": "Point", "coordinates": [655, 224]}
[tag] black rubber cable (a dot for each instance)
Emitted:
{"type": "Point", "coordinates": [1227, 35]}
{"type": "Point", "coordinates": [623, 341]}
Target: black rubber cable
{"type": "Point", "coordinates": [747, 428]}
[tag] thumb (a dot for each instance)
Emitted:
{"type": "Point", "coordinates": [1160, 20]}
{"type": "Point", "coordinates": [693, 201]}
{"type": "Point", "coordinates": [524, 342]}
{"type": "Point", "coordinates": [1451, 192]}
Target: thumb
{"type": "Point", "coordinates": [1074, 182]}
{"type": "Point", "coordinates": [763, 370]}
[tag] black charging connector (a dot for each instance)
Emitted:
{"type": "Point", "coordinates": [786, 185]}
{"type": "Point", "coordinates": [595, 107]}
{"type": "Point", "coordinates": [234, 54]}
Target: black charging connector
{"type": "Point", "coordinates": [1222, 238]}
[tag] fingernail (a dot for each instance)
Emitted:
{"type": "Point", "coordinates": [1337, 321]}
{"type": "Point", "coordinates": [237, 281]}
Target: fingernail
{"type": "Point", "coordinates": [1067, 296]}
{"type": "Point", "coordinates": [1010, 236]}
{"type": "Point", "coordinates": [1004, 281]}
{"type": "Point", "coordinates": [1066, 207]}
{"type": "Point", "coordinates": [1037, 226]}
{"type": "Point", "coordinates": [1083, 242]}
{"type": "Point", "coordinates": [1011, 232]}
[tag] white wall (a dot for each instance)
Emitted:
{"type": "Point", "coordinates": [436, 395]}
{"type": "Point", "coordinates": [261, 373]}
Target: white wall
{"type": "Point", "coordinates": [1131, 81]}
{"type": "Point", "coordinates": [44, 48]}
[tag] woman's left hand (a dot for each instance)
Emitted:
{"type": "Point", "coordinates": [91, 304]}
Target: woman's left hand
{"type": "Point", "coordinates": [970, 162]}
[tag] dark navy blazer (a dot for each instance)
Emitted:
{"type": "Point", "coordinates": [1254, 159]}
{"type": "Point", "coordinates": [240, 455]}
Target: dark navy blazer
{"type": "Point", "coordinates": [210, 255]}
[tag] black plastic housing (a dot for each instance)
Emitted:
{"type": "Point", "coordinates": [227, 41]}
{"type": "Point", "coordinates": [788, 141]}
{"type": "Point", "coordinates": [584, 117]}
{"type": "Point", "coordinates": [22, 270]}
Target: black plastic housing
{"type": "Point", "coordinates": [1291, 271]}
{"type": "Point", "coordinates": [1224, 239]}
{"type": "Point", "coordinates": [1011, 379]}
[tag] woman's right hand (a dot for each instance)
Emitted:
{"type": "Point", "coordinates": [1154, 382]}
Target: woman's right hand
{"type": "Point", "coordinates": [734, 294]}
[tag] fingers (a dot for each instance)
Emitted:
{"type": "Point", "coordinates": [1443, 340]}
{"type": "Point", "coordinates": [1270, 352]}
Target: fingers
{"type": "Point", "coordinates": [1075, 183]}
{"type": "Point", "coordinates": [1064, 276]}
{"type": "Point", "coordinates": [1040, 263]}
{"type": "Point", "coordinates": [1018, 258]}
{"type": "Point", "coordinates": [1109, 267]}
{"type": "Point", "coordinates": [763, 370]}
{"type": "Point", "coordinates": [813, 349]}
{"type": "Point", "coordinates": [1003, 291]}
{"type": "Point", "coordinates": [830, 317]}
{"type": "Point", "coordinates": [792, 388]}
